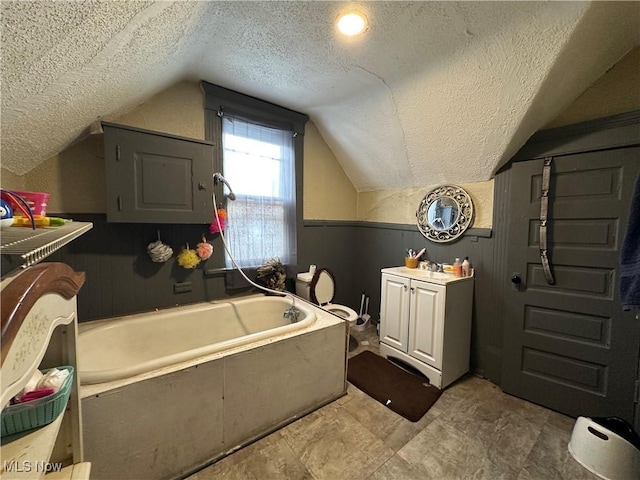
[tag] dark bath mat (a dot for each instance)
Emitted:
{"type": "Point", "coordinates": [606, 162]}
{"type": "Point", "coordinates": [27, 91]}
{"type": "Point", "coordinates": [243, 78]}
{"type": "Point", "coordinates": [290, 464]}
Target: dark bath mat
{"type": "Point", "coordinates": [405, 393]}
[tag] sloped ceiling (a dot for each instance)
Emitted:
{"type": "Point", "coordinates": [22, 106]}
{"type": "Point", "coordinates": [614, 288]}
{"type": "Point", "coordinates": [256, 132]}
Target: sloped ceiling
{"type": "Point", "coordinates": [433, 92]}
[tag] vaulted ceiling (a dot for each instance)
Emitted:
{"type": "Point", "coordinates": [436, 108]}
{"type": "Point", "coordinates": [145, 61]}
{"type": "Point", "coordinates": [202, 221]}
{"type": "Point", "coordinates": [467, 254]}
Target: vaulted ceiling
{"type": "Point", "coordinates": [433, 92]}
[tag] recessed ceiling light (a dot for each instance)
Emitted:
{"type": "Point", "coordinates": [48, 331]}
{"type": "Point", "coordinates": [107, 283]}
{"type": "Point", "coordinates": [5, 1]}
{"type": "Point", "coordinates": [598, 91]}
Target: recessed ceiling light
{"type": "Point", "coordinates": [352, 23]}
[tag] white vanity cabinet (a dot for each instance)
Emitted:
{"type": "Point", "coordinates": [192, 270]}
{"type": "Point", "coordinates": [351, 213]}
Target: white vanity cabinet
{"type": "Point", "coordinates": [425, 321]}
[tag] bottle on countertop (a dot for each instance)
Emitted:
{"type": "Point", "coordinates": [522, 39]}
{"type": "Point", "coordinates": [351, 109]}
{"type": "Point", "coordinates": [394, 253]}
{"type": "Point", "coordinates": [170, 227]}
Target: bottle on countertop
{"type": "Point", "coordinates": [466, 267]}
{"type": "Point", "coordinates": [457, 268]}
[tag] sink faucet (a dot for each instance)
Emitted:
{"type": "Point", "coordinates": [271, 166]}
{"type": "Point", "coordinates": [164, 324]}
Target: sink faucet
{"type": "Point", "coordinates": [435, 267]}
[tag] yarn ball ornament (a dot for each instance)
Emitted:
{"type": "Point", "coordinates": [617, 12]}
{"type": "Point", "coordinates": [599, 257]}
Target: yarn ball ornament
{"type": "Point", "coordinates": [204, 249]}
{"type": "Point", "coordinates": [188, 258]}
{"type": "Point", "coordinates": [159, 252]}
{"type": "Point", "coordinates": [222, 215]}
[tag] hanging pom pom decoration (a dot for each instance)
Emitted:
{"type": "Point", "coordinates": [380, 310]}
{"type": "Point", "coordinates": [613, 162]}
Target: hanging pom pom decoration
{"type": "Point", "coordinates": [158, 251]}
{"type": "Point", "coordinates": [204, 249]}
{"type": "Point", "coordinates": [222, 216]}
{"type": "Point", "coordinates": [188, 258]}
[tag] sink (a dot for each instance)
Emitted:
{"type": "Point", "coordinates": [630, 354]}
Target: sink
{"type": "Point", "coordinates": [441, 278]}
{"type": "Point", "coordinates": [430, 274]}
{"type": "Point", "coordinates": [437, 275]}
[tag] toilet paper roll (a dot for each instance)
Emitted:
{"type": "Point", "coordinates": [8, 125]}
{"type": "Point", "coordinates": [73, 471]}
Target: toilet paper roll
{"type": "Point", "coordinates": [312, 269]}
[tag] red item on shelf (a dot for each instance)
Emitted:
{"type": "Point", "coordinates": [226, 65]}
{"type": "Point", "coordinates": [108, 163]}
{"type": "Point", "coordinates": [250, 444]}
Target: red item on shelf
{"type": "Point", "coordinates": [35, 394]}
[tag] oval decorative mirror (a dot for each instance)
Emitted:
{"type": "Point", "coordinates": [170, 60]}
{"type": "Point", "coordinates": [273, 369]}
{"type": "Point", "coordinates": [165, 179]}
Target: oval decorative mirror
{"type": "Point", "coordinates": [444, 213]}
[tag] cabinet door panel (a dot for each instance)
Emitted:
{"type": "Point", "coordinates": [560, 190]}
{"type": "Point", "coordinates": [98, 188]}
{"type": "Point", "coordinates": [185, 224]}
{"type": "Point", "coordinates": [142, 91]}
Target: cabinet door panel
{"type": "Point", "coordinates": [157, 178]}
{"type": "Point", "coordinates": [426, 323]}
{"type": "Point", "coordinates": [394, 311]}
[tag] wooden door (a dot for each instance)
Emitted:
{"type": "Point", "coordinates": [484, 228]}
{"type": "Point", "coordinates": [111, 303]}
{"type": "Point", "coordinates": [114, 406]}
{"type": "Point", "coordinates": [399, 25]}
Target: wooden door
{"type": "Point", "coordinates": [394, 311]}
{"type": "Point", "coordinates": [569, 346]}
{"type": "Point", "coordinates": [426, 323]}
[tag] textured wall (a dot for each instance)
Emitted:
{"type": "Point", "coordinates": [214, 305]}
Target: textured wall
{"type": "Point", "coordinates": [617, 91]}
{"type": "Point", "coordinates": [64, 64]}
{"type": "Point", "coordinates": [75, 177]}
{"type": "Point", "coordinates": [177, 110]}
{"type": "Point", "coordinates": [328, 192]}
{"type": "Point", "coordinates": [11, 181]}
{"type": "Point", "coordinates": [435, 92]}
{"type": "Point", "coordinates": [399, 206]}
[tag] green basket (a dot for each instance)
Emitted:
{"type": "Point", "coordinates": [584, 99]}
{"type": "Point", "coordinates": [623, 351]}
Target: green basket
{"type": "Point", "coordinates": [37, 413]}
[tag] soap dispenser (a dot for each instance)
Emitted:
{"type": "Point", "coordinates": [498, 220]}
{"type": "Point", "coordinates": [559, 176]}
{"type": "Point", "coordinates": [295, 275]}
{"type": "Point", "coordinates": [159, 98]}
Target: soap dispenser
{"type": "Point", "coordinates": [457, 268]}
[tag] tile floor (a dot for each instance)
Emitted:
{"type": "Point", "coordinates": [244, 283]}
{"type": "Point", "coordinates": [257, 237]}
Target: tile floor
{"type": "Point", "coordinates": [474, 431]}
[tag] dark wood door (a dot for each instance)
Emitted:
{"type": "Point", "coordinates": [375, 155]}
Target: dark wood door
{"type": "Point", "coordinates": [569, 346]}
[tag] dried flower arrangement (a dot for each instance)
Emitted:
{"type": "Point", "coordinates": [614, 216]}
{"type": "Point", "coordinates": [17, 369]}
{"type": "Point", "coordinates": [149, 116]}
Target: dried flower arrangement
{"type": "Point", "coordinates": [272, 274]}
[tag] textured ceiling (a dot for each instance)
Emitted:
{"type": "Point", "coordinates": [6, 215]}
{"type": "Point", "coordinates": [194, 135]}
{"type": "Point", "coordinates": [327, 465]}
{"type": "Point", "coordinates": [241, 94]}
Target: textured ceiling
{"type": "Point", "coordinates": [434, 92]}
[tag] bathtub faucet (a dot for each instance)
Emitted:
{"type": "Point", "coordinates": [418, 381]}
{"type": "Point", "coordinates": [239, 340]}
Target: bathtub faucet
{"type": "Point", "coordinates": [292, 314]}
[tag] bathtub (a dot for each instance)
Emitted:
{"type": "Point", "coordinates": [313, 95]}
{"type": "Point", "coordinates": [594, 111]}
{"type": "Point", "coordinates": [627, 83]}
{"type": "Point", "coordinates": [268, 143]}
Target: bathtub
{"type": "Point", "coordinates": [135, 344]}
{"type": "Point", "coordinates": [167, 393]}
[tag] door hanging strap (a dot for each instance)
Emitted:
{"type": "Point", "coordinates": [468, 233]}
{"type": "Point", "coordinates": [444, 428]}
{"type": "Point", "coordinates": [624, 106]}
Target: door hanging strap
{"type": "Point", "coordinates": [544, 209]}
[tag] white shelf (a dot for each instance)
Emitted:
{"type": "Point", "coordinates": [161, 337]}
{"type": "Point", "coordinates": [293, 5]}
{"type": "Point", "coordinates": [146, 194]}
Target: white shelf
{"type": "Point", "coordinates": [79, 471]}
{"type": "Point", "coordinates": [28, 246]}
{"type": "Point", "coordinates": [44, 328]}
{"type": "Point", "coordinates": [35, 446]}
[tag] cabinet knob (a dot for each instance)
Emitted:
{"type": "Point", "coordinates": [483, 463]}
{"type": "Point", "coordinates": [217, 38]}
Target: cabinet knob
{"type": "Point", "coordinates": [516, 279]}
{"type": "Point", "coordinates": [405, 287]}
{"type": "Point", "coordinates": [202, 186]}
{"type": "Point", "coordinates": [413, 290]}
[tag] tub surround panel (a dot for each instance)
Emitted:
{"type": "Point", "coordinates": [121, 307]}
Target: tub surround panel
{"type": "Point", "coordinates": [173, 421]}
{"type": "Point", "coordinates": [276, 382]}
{"type": "Point", "coordinates": [158, 428]}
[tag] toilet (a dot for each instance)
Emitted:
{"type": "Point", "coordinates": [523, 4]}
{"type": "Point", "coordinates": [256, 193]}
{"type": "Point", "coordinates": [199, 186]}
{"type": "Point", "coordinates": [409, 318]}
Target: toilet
{"type": "Point", "coordinates": [319, 287]}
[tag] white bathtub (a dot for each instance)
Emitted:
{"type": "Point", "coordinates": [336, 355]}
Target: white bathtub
{"type": "Point", "coordinates": [181, 388]}
{"type": "Point", "coordinates": [131, 345]}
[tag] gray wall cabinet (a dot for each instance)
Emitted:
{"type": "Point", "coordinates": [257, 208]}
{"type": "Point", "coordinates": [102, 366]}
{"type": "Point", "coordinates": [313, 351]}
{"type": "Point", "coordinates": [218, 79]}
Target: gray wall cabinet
{"type": "Point", "coordinates": [155, 177]}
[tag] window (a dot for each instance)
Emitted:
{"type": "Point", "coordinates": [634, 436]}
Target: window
{"type": "Point", "coordinates": [260, 154]}
{"type": "Point", "coordinates": [258, 162]}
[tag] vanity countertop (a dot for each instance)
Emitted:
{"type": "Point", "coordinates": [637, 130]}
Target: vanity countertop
{"type": "Point", "coordinates": [441, 278]}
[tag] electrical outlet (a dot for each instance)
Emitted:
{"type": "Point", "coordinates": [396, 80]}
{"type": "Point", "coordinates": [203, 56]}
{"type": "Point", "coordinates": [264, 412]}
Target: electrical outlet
{"type": "Point", "coordinates": [182, 287]}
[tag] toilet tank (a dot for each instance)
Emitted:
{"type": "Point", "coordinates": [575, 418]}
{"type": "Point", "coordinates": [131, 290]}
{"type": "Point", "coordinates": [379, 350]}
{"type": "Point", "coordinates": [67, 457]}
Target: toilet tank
{"type": "Point", "coordinates": [303, 285]}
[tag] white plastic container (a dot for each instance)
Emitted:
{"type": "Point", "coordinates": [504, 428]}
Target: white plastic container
{"type": "Point", "coordinates": [604, 452]}
{"type": "Point", "coordinates": [466, 267]}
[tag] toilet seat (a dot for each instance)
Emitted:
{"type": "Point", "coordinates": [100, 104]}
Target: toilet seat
{"type": "Point", "coordinates": [321, 292]}
{"type": "Point", "coordinates": [342, 311]}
